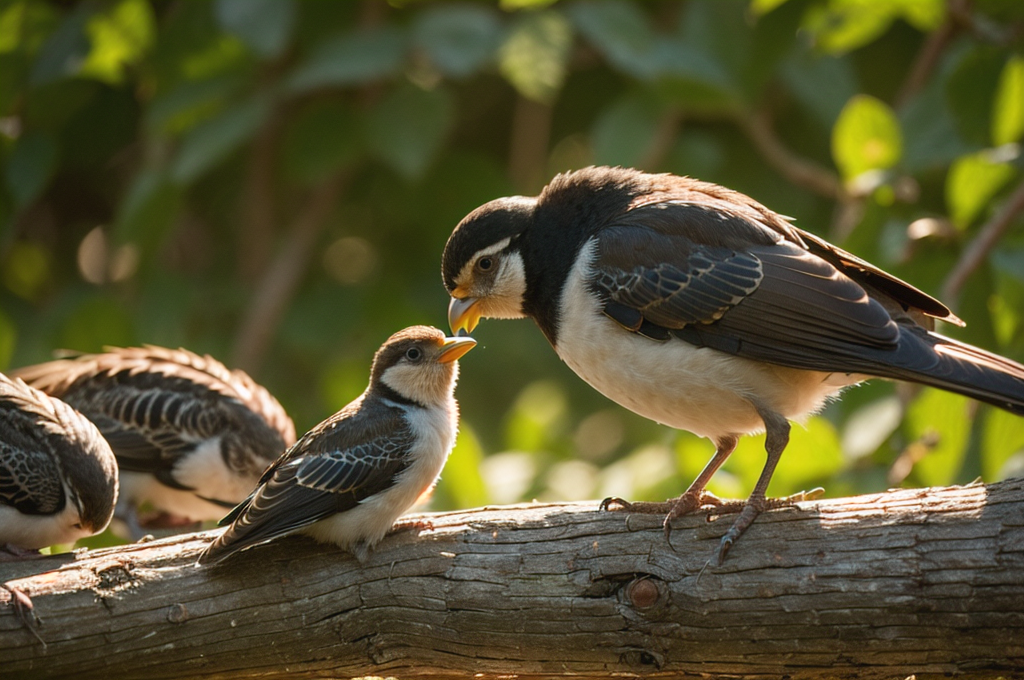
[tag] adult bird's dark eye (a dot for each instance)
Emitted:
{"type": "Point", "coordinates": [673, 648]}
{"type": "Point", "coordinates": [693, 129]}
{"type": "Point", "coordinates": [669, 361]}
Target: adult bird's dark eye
{"type": "Point", "coordinates": [484, 263]}
{"type": "Point", "coordinates": [413, 354]}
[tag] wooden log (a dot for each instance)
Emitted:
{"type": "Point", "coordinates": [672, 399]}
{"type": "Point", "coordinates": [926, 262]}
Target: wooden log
{"type": "Point", "coordinates": [927, 582]}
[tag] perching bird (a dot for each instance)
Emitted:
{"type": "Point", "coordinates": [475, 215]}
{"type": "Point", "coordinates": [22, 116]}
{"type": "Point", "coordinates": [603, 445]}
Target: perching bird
{"type": "Point", "coordinates": [191, 437]}
{"type": "Point", "coordinates": [348, 479]}
{"type": "Point", "coordinates": [58, 477]}
{"type": "Point", "coordinates": [699, 308]}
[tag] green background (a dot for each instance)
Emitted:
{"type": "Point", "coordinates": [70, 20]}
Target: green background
{"type": "Point", "coordinates": [273, 181]}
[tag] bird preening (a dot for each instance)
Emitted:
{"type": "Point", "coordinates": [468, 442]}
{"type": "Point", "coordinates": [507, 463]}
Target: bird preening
{"type": "Point", "coordinates": [58, 477]}
{"type": "Point", "coordinates": [699, 308]}
{"type": "Point", "coordinates": [191, 437]}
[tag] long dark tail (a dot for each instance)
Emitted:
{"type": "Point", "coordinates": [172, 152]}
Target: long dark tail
{"type": "Point", "coordinates": [933, 359]}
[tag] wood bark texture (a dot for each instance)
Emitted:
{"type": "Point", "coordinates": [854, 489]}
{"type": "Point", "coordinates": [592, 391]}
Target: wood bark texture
{"type": "Point", "coordinates": [927, 582]}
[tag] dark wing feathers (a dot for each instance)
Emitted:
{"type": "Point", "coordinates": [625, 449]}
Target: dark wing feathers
{"type": "Point", "coordinates": [733, 283]}
{"type": "Point", "coordinates": [155, 405]}
{"type": "Point", "coordinates": [347, 458]}
{"type": "Point", "coordinates": [710, 282]}
{"type": "Point", "coordinates": [768, 298]}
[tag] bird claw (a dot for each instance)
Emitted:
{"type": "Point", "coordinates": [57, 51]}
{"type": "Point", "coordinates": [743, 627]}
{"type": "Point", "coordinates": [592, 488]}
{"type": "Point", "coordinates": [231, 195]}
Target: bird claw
{"type": "Point", "coordinates": [615, 504]}
{"type": "Point", "coordinates": [25, 611]}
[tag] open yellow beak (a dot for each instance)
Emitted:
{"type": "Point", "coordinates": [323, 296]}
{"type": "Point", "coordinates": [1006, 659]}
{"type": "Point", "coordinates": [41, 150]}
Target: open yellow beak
{"type": "Point", "coordinates": [453, 348]}
{"type": "Point", "coordinates": [463, 314]}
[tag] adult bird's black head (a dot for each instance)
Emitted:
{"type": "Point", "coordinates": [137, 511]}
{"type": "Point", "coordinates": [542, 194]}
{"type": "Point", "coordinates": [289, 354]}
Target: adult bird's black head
{"type": "Point", "coordinates": [698, 307]}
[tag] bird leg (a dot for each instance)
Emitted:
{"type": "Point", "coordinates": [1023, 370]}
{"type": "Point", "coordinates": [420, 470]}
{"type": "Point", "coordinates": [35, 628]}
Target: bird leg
{"type": "Point", "coordinates": [693, 499]}
{"type": "Point", "coordinates": [776, 439]}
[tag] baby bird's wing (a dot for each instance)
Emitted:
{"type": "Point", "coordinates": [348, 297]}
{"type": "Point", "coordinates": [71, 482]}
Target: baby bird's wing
{"type": "Point", "coordinates": [344, 460]}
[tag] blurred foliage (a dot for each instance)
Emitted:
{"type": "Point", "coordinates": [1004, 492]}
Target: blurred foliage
{"type": "Point", "coordinates": [273, 181]}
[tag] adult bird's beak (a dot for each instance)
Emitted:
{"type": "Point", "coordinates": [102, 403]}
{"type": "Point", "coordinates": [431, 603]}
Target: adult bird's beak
{"type": "Point", "coordinates": [453, 348]}
{"type": "Point", "coordinates": [463, 314]}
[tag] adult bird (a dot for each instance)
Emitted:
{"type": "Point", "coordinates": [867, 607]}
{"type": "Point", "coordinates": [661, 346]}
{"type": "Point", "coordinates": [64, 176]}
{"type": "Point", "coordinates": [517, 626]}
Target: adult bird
{"type": "Point", "coordinates": [190, 436]}
{"type": "Point", "coordinates": [348, 479]}
{"type": "Point", "coordinates": [58, 477]}
{"type": "Point", "coordinates": [698, 307]}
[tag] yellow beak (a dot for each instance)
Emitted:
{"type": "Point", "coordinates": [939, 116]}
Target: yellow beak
{"type": "Point", "coordinates": [463, 314]}
{"type": "Point", "coordinates": [453, 348]}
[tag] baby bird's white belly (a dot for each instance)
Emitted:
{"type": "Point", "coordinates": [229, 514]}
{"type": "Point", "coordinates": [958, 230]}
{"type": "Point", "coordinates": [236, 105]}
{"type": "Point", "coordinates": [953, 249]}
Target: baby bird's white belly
{"type": "Point", "coordinates": [204, 472]}
{"type": "Point", "coordinates": [701, 390]}
{"type": "Point", "coordinates": [368, 522]}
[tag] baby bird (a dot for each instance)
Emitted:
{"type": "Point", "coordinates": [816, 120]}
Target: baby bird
{"type": "Point", "coordinates": [58, 477]}
{"type": "Point", "coordinates": [348, 479]}
{"type": "Point", "coordinates": [191, 437]}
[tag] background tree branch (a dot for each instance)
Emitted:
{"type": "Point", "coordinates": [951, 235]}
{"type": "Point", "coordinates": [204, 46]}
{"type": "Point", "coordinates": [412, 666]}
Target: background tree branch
{"type": "Point", "coordinates": [927, 582]}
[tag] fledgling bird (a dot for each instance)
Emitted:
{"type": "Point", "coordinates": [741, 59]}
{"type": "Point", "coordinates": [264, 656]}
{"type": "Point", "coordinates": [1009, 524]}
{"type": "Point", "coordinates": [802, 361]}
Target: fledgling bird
{"type": "Point", "coordinates": [58, 476]}
{"type": "Point", "coordinates": [190, 436]}
{"type": "Point", "coordinates": [698, 307]}
{"type": "Point", "coordinates": [348, 479]}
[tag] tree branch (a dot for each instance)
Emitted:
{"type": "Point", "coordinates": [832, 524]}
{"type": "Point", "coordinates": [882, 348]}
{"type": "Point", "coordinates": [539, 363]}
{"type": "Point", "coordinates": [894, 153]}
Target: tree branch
{"type": "Point", "coordinates": [278, 285]}
{"type": "Point", "coordinates": [799, 171]}
{"type": "Point", "coordinates": [926, 582]}
{"type": "Point", "coordinates": [977, 252]}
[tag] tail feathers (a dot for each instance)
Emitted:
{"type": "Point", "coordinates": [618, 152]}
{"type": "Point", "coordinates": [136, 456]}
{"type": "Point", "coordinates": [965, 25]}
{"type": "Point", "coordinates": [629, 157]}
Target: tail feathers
{"type": "Point", "coordinates": [971, 371]}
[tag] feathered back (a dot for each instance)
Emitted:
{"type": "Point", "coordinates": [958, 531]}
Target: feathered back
{"type": "Point", "coordinates": [61, 376]}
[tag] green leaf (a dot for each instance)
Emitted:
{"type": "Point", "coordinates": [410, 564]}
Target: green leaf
{"type": "Point", "coordinates": [841, 26]}
{"type": "Point", "coordinates": [264, 25]}
{"type": "Point", "coordinates": [25, 25]}
{"type": "Point", "coordinates": [120, 36]}
{"type": "Point", "coordinates": [320, 140]}
{"type": "Point", "coordinates": [924, 15]}
{"type": "Point", "coordinates": [32, 163]}
{"type": "Point", "coordinates": [694, 79]}
{"type": "Point", "coordinates": [351, 59]}
{"type": "Point", "coordinates": [941, 418]}
{"type": "Point", "coordinates": [1002, 438]}
{"type": "Point", "coordinates": [625, 132]}
{"type": "Point", "coordinates": [459, 39]}
{"type": "Point", "coordinates": [189, 103]}
{"type": "Point", "coordinates": [148, 210]}
{"type": "Point", "coordinates": [971, 91]}
{"type": "Point", "coordinates": [972, 182]}
{"type": "Point", "coordinates": [64, 51]}
{"type": "Point", "coordinates": [866, 137]}
{"type": "Point", "coordinates": [621, 32]}
{"type": "Point", "coordinates": [931, 140]}
{"type": "Point", "coordinates": [408, 126]}
{"type": "Point", "coordinates": [534, 56]}
{"type": "Point", "coordinates": [761, 7]}
{"type": "Point", "coordinates": [823, 84]}
{"type": "Point", "coordinates": [1008, 113]}
{"type": "Point", "coordinates": [213, 140]}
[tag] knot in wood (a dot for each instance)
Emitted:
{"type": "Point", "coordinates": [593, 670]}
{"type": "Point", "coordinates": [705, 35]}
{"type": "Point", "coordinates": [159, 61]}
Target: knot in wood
{"type": "Point", "coordinates": [643, 593]}
{"type": "Point", "coordinates": [177, 613]}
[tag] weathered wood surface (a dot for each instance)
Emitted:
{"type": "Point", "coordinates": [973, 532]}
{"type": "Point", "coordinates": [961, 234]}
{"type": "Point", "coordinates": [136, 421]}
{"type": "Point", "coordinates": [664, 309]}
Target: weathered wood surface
{"type": "Point", "coordinates": [925, 582]}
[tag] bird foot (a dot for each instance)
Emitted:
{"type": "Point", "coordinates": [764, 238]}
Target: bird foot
{"type": "Point", "coordinates": [749, 512]}
{"type": "Point", "coordinates": [12, 553]}
{"type": "Point", "coordinates": [24, 610]}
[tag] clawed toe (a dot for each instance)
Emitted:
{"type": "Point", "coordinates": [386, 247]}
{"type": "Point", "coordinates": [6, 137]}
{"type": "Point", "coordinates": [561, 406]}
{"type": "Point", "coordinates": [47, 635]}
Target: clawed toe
{"type": "Point", "coordinates": [24, 610]}
{"type": "Point", "coordinates": [615, 504]}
